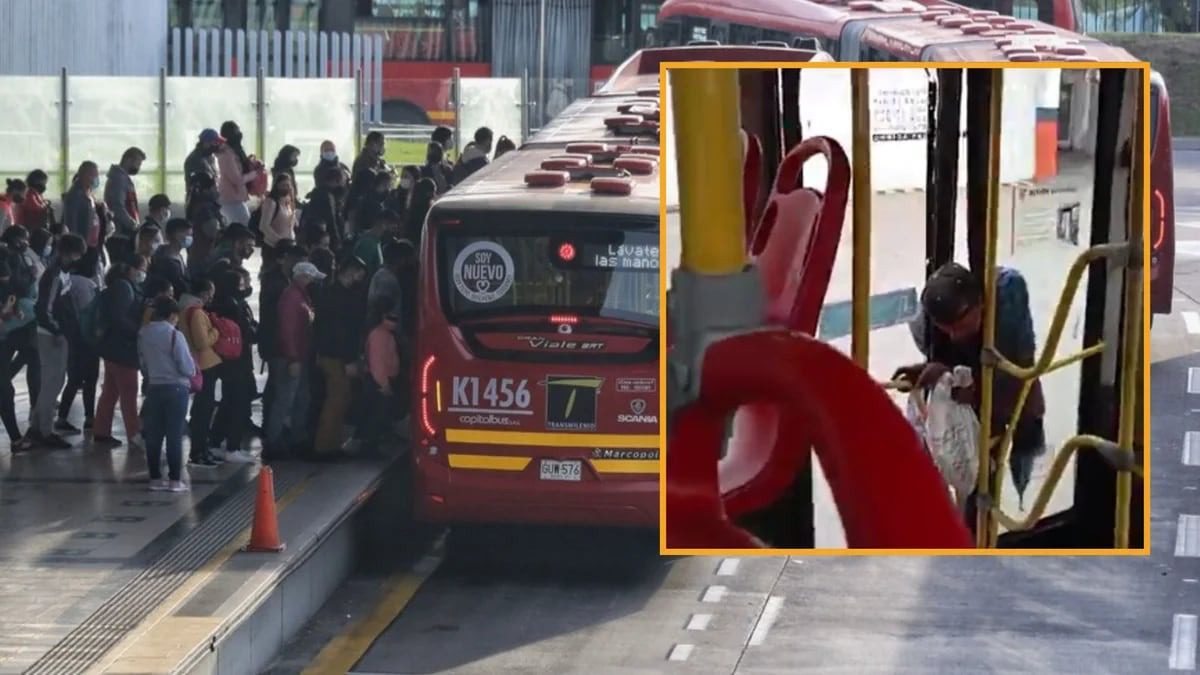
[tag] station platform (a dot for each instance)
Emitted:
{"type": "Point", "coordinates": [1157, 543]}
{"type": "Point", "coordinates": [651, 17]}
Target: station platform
{"type": "Point", "coordinates": [99, 575]}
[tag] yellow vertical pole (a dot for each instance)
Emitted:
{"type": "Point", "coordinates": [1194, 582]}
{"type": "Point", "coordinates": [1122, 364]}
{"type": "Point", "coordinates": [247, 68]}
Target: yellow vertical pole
{"type": "Point", "coordinates": [985, 526]}
{"type": "Point", "coordinates": [1131, 331]}
{"type": "Point", "coordinates": [708, 147]}
{"type": "Point", "coordinates": [860, 293]}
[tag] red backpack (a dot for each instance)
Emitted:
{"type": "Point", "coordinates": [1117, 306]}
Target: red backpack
{"type": "Point", "coordinates": [229, 340]}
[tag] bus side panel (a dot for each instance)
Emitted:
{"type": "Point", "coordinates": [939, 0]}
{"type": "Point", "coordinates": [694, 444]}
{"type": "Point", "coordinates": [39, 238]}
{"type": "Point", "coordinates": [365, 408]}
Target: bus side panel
{"type": "Point", "coordinates": [1162, 214]}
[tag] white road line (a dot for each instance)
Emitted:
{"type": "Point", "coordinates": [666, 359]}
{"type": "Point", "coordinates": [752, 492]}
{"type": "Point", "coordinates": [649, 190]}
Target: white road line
{"type": "Point", "coordinates": [680, 652]}
{"type": "Point", "coordinates": [770, 614]}
{"type": "Point", "coordinates": [699, 621]}
{"type": "Point", "coordinates": [728, 567]}
{"type": "Point", "coordinates": [1183, 642]}
{"type": "Point", "coordinates": [714, 594]}
{"type": "Point", "coordinates": [1192, 321]}
{"type": "Point", "coordinates": [1191, 448]}
{"type": "Point", "coordinates": [1193, 384]}
{"type": "Point", "coordinates": [1187, 536]}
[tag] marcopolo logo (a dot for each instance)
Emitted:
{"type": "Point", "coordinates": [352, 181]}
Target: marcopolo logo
{"type": "Point", "coordinates": [638, 407]}
{"type": "Point", "coordinates": [487, 420]}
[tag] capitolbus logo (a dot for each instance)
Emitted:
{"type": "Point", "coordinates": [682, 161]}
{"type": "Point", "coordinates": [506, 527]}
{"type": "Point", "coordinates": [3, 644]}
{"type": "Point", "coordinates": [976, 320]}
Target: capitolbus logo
{"type": "Point", "coordinates": [487, 420]}
{"type": "Point", "coordinates": [636, 415]}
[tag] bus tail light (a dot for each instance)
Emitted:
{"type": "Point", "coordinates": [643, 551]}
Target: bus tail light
{"type": "Point", "coordinates": [569, 319]}
{"type": "Point", "coordinates": [1161, 221]}
{"type": "Point", "coordinates": [427, 390]}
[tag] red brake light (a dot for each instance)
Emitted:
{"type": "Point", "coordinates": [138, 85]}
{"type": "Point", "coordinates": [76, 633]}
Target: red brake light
{"type": "Point", "coordinates": [426, 382]}
{"type": "Point", "coordinates": [566, 251]}
{"type": "Point", "coordinates": [564, 318]}
{"type": "Point", "coordinates": [1162, 218]}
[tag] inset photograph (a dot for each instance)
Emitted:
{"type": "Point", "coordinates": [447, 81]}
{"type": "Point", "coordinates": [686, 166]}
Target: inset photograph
{"type": "Point", "coordinates": [906, 307]}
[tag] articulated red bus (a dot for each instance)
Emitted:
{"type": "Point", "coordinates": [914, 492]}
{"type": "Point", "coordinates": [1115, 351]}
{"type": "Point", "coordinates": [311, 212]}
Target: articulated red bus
{"type": "Point", "coordinates": [931, 30]}
{"type": "Point", "coordinates": [538, 337]}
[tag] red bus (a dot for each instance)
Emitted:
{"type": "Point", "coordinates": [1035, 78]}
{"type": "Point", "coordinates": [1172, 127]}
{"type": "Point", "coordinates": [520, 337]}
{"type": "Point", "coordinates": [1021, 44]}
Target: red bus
{"type": "Point", "coordinates": [538, 331]}
{"type": "Point", "coordinates": [901, 30]}
{"type": "Point", "coordinates": [425, 40]}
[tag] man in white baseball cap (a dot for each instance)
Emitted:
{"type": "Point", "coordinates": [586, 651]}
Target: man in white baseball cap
{"type": "Point", "coordinates": [289, 370]}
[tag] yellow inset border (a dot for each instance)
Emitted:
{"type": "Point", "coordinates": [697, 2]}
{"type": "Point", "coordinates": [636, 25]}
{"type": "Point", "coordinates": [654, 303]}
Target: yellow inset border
{"type": "Point", "coordinates": [664, 106]}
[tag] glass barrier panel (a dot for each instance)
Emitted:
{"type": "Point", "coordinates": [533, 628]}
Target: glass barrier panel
{"type": "Point", "coordinates": [110, 115]}
{"type": "Point", "coordinates": [198, 103]}
{"type": "Point", "coordinates": [32, 129]}
{"type": "Point", "coordinates": [304, 113]}
{"type": "Point", "coordinates": [490, 102]}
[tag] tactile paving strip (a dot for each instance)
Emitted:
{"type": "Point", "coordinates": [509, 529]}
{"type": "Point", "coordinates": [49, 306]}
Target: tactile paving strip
{"type": "Point", "coordinates": [129, 606]}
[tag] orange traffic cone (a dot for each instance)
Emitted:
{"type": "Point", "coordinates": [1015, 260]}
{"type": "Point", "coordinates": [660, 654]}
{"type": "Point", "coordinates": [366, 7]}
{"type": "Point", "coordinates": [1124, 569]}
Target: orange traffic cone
{"type": "Point", "coordinates": [264, 537]}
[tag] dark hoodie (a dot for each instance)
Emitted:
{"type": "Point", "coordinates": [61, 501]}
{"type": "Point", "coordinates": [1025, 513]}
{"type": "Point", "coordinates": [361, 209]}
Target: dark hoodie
{"type": "Point", "coordinates": [120, 195]}
{"type": "Point", "coordinates": [472, 160]}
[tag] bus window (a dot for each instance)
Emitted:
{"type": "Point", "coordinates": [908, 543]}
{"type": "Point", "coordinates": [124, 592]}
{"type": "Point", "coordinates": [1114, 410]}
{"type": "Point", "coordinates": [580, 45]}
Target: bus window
{"type": "Point", "coordinates": [1154, 99]}
{"type": "Point", "coordinates": [619, 28]}
{"type": "Point", "coordinates": [668, 33]}
{"type": "Point", "coordinates": [610, 273]}
{"type": "Point", "coordinates": [744, 35]}
{"type": "Point", "coordinates": [647, 33]}
{"type": "Point", "coordinates": [427, 30]}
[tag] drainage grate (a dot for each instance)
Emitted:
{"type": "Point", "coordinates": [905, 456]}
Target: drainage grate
{"type": "Point", "coordinates": [129, 606]}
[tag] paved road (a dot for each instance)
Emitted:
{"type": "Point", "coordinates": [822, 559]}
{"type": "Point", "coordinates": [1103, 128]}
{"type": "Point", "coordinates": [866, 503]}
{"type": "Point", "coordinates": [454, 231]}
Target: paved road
{"type": "Point", "coordinates": [525, 601]}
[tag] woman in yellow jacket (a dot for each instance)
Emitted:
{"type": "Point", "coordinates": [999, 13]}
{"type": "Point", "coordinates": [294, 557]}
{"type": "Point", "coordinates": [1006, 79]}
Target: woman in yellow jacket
{"type": "Point", "coordinates": [201, 336]}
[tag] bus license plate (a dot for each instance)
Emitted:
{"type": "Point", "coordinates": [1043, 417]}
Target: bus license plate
{"type": "Point", "coordinates": [562, 470]}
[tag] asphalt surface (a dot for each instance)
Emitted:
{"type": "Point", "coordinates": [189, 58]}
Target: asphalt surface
{"type": "Point", "coordinates": [525, 601]}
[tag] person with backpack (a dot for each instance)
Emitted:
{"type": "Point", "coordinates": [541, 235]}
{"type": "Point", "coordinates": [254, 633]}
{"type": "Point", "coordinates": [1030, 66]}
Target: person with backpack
{"type": "Point", "coordinates": [326, 209]}
{"type": "Point", "coordinates": [275, 218]}
{"type": "Point", "coordinates": [341, 314]}
{"type": "Point", "coordinates": [202, 336]}
{"type": "Point", "coordinates": [121, 301]}
{"type": "Point", "coordinates": [238, 388]}
{"type": "Point", "coordinates": [56, 318]}
{"type": "Point", "coordinates": [83, 361]}
{"type": "Point", "coordinates": [168, 262]}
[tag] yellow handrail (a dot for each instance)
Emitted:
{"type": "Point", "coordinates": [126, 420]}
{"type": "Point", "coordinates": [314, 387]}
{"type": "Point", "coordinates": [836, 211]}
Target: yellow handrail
{"type": "Point", "coordinates": [860, 284]}
{"type": "Point", "coordinates": [988, 374]}
{"type": "Point", "coordinates": [709, 160]}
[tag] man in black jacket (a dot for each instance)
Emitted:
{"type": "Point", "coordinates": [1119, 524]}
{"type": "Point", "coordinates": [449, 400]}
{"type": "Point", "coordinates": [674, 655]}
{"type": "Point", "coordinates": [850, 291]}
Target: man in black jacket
{"type": "Point", "coordinates": [274, 281]}
{"type": "Point", "coordinates": [326, 209]}
{"type": "Point", "coordinates": [57, 318]}
{"type": "Point", "coordinates": [338, 337]}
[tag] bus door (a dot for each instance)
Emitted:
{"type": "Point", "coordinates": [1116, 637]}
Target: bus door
{"type": "Point", "coordinates": [538, 353]}
{"type": "Point", "coordinates": [1106, 453]}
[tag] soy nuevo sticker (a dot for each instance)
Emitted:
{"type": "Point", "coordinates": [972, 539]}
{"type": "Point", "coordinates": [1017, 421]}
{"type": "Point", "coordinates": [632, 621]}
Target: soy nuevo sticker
{"type": "Point", "coordinates": [483, 272]}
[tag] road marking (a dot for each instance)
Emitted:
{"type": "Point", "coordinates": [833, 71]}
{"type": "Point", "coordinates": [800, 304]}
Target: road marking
{"type": "Point", "coordinates": [769, 615]}
{"type": "Point", "coordinates": [1193, 386]}
{"type": "Point", "coordinates": [1192, 321]}
{"type": "Point", "coordinates": [728, 567]}
{"type": "Point", "coordinates": [1191, 448]}
{"type": "Point", "coordinates": [341, 653]}
{"type": "Point", "coordinates": [699, 621]}
{"type": "Point", "coordinates": [1183, 642]}
{"type": "Point", "coordinates": [714, 594]}
{"type": "Point", "coordinates": [1187, 537]}
{"type": "Point", "coordinates": [680, 652]}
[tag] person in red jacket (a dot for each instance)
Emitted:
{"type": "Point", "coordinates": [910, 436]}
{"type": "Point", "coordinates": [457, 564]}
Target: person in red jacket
{"type": "Point", "coordinates": [35, 212]}
{"type": "Point", "coordinates": [289, 370]}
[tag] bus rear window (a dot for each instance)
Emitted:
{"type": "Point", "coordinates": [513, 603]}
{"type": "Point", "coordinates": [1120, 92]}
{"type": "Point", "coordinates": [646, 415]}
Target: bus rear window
{"type": "Point", "coordinates": [1154, 99]}
{"type": "Point", "coordinates": [610, 273]}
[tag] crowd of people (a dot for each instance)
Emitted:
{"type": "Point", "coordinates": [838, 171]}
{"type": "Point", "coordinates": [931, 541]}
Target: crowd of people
{"type": "Point", "coordinates": [156, 312]}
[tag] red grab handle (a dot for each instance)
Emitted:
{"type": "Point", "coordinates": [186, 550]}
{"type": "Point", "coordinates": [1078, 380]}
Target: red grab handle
{"type": "Point", "coordinates": [888, 491]}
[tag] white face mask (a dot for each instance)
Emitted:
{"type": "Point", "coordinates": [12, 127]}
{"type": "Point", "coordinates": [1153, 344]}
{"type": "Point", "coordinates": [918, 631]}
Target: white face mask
{"type": "Point", "coordinates": [139, 277]}
{"type": "Point", "coordinates": [154, 245]}
{"type": "Point", "coordinates": [329, 156]}
{"type": "Point", "coordinates": [406, 183]}
{"type": "Point", "coordinates": [47, 251]}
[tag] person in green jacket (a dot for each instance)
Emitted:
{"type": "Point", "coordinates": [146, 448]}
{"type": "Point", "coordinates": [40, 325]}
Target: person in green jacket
{"type": "Point", "coordinates": [369, 247]}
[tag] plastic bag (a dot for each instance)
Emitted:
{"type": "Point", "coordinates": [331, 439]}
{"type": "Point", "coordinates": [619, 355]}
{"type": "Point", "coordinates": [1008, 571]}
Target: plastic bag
{"type": "Point", "coordinates": [950, 430]}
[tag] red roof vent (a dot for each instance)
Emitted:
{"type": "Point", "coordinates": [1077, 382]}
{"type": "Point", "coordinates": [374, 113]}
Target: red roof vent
{"type": "Point", "coordinates": [953, 21]}
{"type": "Point", "coordinates": [564, 163]}
{"type": "Point", "coordinates": [1020, 25]}
{"type": "Point", "coordinates": [1024, 57]}
{"type": "Point", "coordinates": [638, 166]}
{"type": "Point", "coordinates": [642, 150]}
{"type": "Point", "coordinates": [547, 178]}
{"type": "Point", "coordinates": [647, 112]}
{"type": "Point", "coordinates": [612, 185]}
{"type": "Point", "coordinates": [578, 155]}
{"type": "Point", "coordinates": [974, 28]}
{"type": "Point", "coordinates": [931, 14]}
{"type": "Point", "coordinates": [587, 149]}
{"type": "Point", "coordinates": [982, 14]}
{"type": "Point", "coordinates": [1071, 50]}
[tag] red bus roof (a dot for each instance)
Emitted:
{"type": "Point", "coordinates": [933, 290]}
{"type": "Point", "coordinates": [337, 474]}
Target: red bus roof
{"type": "Point", "coordinates": [583, 121]}
{"type": "Point", "coordinates": [640, 71]}
{"type": "Point", "coordinates": [808, 17]}
{"type": "Point", "coordinates": [501, 187]}
{"type": "Point", "coordinates": [978, 37]}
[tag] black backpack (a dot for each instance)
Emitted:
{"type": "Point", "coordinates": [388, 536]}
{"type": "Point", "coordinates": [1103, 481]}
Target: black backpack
{"type": "Point", "coordinates": [255, 224]}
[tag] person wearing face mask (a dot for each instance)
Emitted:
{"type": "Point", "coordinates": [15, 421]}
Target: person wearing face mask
{"type": "Point", "coordinates": [41, 248]}
{"type": "Point", "coordinates": [203, 160]}
{"type": "Point", "coordinates": [286, 162]}
{"type": "Point", "coordinates": [13, 197]}
{"type": "Point", "coordinates": [474, 157]}
{"type": "Point", "coordinates": [167, 262]}
{"type": "Point", "coordinates": [122, 302]}
{"type": "Point", "coordinates": [82, 215]}
{"type": "Point", "coordinates": [235, 248]}
{"type": "Point", "coordinates": [168, 366]}
{"type": "Point", "coordinates": [326, 209]}
{"type": "Point", "coordinates": [83, 358]}
{"type": "Point", "coordinates": [18, 334]}
{"type": "Point", "coordinates": [35, 212]}
{"type": "Point", "coordinates": [202, 336]}
{"type": "Point", "coordinates": [329, 159]}
{"type": "Point", "coordinates": [409, 175]}
{"type": "Point", "coordinates": [277, 216]}
{"type": "Point", "coordinates": [436, 168]}
{"type": "Point", "coordinates": [160, 211]}
{"type": "Point", "coordinates": [372, 156]}
{"type": "Point", "coordinates": [56, 318]}
{"type": "Point", "coordinates": [149, 239]}
{"type": "Point", "coordinates": [338, 338]}
{"type": "Point", "coordinates": [237, 171]}
{"type": "Point", "coordinates": [208, 221]}
{"type": "Point", "coordinates": [384, 389]}
{"type": "Point", "coordinates": [374, 202]}
{"type": "Point", "coordinates": [286, 429]}
{"type": "Point", "coordinates": [120, 193]}
{"type": "Point", "coordinates": [237, 389]}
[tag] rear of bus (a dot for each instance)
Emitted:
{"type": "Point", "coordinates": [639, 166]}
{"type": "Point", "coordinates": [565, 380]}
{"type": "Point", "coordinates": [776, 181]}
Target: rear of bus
{"type": "Point", "coordinates": [537, 388]}
{"type": "Point", "coordinates": [1162, 199]}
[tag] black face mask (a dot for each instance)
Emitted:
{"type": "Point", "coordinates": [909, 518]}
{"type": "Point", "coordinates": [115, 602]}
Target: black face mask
{"type": "Point", "coordinates": [244, 293]}
{"type": "Point", "coordinates": [38, 188]}
{"type": "Point", "coordinates": [210, 150]}
{"type": "Point", "coordinates": [338, 190]}
{"type": "Point", "coordinates": [133, 172]}
{"type": "Point", "coordinates": [293, 162]}
{"type": "Point", "coordinates": [235, 138]}
{"type": "Point", "coordinates": [20, 245]}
